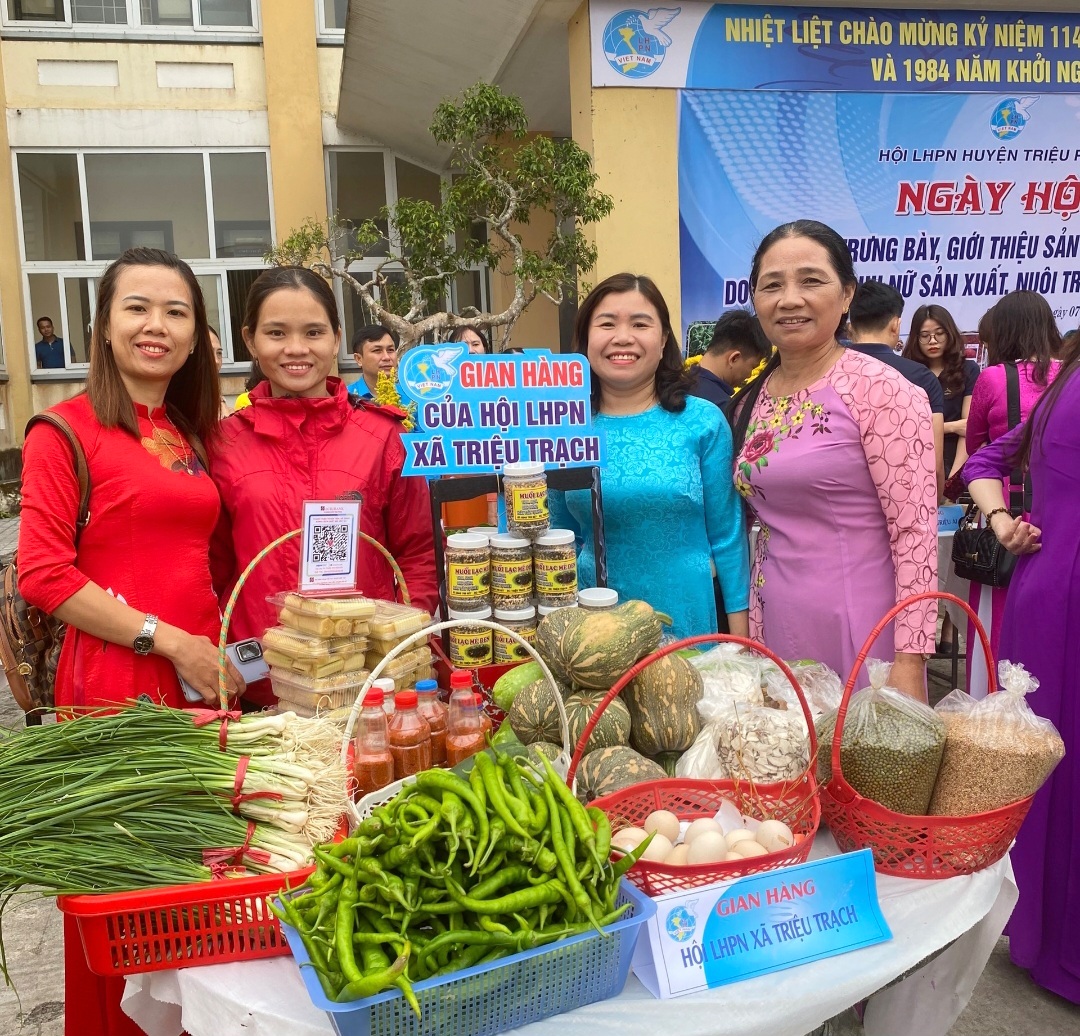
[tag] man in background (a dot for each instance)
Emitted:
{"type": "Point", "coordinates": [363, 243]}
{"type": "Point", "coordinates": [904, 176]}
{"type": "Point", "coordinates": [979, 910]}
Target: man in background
{"type": "Point", "coordinates": [874, 318]}
{"type": "Point", "coordinates": [738, 345]}
{"type": "Point", "coordinates": [374, 349]}
{"type": "Point", "coordinates": [50, 350]}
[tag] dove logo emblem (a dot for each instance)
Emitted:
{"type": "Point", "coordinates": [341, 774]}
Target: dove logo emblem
{"type": "Point", "coordinates": [428, 372]}
{"type": "Point", "coordinates": [1010, 117]}
{"type": "Point", "coordinates": [635, 42]}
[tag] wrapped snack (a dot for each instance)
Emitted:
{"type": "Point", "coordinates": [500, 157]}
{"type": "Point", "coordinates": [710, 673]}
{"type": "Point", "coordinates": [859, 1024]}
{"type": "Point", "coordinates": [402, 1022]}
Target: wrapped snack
{"type": "Point", "coordinates": [316, 625]}
{"type": "Point", "coordinates": [764, 745]}
{"type": "Point", "coordinates": [287, 641]}
{"type": "Point", "coordinates": [892, 745]}
{"type": "Point", "coordinates": [309, 695]}
{"type": "Point", "coordinates": [821, 687]}
{"type": "Point", "coordinates": [335, 606]}
{"type": "Point", "coordinates": [701, 761]}
{"type": "Point", "coordinates": [729, 676]}
{"type": "Point", "coordinates": [395, 621]}
{"type": "Point", "coordinates": [997, 751]}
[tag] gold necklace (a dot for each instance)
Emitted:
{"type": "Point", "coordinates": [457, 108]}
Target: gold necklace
{"type": "Point", "coordinates": [159, 436]}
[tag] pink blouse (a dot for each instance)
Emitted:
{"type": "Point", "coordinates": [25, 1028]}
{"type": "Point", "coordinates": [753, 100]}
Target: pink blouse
{"type": "Point", "coordinates": [988, 415]}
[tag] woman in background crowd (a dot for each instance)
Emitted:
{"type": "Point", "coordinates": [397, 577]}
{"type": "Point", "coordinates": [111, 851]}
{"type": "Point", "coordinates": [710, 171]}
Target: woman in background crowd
{"type": "Point", "coordinates": [834, 453]}
{"type": "Point", "coordinates": [1038, 630]}
{"type": "Point", "coordinates": [474, 338]}
{"type": "Point", "coordinates": [1020, 330]}
{"type": "Point", "coordinates": [670, 512]}
{"type": "Point", "coordinates": [302, 438]}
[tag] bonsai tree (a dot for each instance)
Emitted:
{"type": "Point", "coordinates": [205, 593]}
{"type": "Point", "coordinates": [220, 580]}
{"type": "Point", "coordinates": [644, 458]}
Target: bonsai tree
{"type": "Point", "coordinates": [500, 178]}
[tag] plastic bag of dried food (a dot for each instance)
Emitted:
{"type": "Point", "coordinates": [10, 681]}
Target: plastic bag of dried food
{"type": "Point", "coordinates": [820, 686]}
{"type": "Point", "coordinates": [764, 745]}
{"type": "Point", "coordinates": [892, 745]}
{"type": "Point", "coordinates": [997, 751]}
{"type": "Point", "coordinates": [729, 676]}
{"type": "Point", "coordinates": [701, 761]}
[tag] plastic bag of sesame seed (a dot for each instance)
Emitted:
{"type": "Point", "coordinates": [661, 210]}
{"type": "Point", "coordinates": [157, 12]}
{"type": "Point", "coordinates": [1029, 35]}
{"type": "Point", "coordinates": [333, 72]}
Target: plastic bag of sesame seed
{"type": "Point", "coordinates": [997, 751]}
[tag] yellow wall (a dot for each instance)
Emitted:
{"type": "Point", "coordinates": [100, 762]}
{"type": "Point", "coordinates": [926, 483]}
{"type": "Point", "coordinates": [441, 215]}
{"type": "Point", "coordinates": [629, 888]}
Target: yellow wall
{"type": "Point", "coordinates": [294, 113]}
{"type": "Point", "coordinates": [18, 405]}
{"type": "Point", "coordinates": [632, 135]}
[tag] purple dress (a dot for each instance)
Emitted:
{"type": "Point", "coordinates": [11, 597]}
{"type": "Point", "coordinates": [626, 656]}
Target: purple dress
{"type": "Point", "coordinates": [1041, 630]}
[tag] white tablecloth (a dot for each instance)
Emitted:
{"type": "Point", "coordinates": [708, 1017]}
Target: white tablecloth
{"type": "Point", "coordinates": [267, 998]}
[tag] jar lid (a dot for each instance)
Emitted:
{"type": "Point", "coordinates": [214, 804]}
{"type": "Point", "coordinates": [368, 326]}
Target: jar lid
{"type": "Point", "coordinates": [405, 700]}
{"type": "Point", "coordinates": [514, 614]}
{"type": "Point", "coordinates": [598, 597]}
{"type": "Point", "coordinates": [554, 538]}
{"type": "Point", "coordinates": [480, 613]}
{"type": "Point", "coordinates": [487, 531]}
{"type": "Point", "coordinates": [385, 684]}
{"type": "Point", "coordinates": [547, 609]}
{"type": "Point", "coordinates": [507, 541]}
{"type": "Point", "coordinates": [523, 470]}
{"type": "Point", "coordinates": [467, 541]}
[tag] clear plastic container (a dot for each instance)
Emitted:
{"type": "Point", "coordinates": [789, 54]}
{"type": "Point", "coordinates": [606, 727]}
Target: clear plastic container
{"type": "Point", "coordinates": [392, 620]}
{"type": "Point", "coordinates": [525, 492]}
{"type": "Point", "coordinates": [309, 648]}
{"type": "Point", "coordinates": [465, 735]}
{"type": "Point", "coordinates": [470, 646]}
{"type": "Point", "coordinates": [318, 667]}
{"type": "Point", "coordinates": [409, 737]}
{"type": "Point", "coordinates": [318, 625]}
{"type": "Point", "coordinates": [598, 599]}
{"type": "Point", "coordinates": [555, 568]}
{"type": "Point", "coordinates": [511, 572]}
{"type": "Point", "coordinates": [403, 663]}
{"type": "Point", "coordinates": [435, 712]}
{"type": "Point", "coordinates": [296, 692]}
{"type": "Point", "coordinates": [335, 606]}
{"type": "Point", "coordinates": [468, 572]}
{"type": "Point", "coordinates": [373, 764]}
{"type": "Point", "coordinates": [506, 650]}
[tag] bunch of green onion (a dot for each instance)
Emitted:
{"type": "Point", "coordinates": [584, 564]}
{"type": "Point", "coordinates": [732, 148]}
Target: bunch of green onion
{"type": "Point", "coordinates": [112, 803]}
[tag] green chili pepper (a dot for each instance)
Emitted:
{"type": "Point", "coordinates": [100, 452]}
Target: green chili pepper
{"type": "Point", "coordinates": [549, 892]}
{"type": "Point", "coordinates": [578, 816]}
{"type": "Point", "coordinates": [603, 831]}
{"type": "Point", "coordinates": [566, 860]}
{"type": "Point", "coordinates": [377, 981]}
{"type": "Point", "coordinates": [494, 789]}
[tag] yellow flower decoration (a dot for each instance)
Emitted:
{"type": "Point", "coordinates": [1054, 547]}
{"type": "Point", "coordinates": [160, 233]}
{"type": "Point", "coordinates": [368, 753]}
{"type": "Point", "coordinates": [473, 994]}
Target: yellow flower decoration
{"type": "Point", "coordinates": [756, 372]}
{"type": "Point", "coordinates": [692, 361]}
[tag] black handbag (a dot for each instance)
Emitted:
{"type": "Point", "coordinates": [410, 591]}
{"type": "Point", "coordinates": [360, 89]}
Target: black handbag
{"type": "Point", "coordinates": [977, 554]}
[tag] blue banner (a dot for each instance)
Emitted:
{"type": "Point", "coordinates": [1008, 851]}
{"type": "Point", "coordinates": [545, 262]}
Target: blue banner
{"type": "Point", "coordinates": [476, 414]}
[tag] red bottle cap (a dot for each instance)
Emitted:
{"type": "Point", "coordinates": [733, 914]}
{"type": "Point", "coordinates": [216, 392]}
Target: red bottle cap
{"type": "Point", "coordinates": [460, 678]}
{"type": "Point", "coordinates": [405, 700]}
{"type": "Point", "coordinates": [373, 697]}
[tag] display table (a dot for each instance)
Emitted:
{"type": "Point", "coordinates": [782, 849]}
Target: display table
{"type": "Point", "coordinates": [959, 920]}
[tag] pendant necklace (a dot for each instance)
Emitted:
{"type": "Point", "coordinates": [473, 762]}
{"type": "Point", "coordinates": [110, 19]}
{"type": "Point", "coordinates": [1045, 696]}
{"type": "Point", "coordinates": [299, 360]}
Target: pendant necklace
{"type": "Point", "coordinates": [159, 436]}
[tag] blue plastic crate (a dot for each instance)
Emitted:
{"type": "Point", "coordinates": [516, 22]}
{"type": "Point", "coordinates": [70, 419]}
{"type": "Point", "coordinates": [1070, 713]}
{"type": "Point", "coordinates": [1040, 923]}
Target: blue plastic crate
{"type": "Point", "coordinates": [505, 994]}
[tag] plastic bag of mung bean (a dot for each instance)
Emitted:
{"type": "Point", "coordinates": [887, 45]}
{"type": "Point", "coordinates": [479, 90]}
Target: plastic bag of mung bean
{"type": "Point", "coordinates": [997, 751]}
{"type": "Point", "coordinates": [891, 748]}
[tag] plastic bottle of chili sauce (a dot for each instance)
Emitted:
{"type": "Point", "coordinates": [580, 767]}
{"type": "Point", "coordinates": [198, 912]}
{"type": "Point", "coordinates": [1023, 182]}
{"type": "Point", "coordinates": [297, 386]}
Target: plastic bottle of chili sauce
{"type": "Point", "coordinates": [465, 734]}
{"type": "Point", "coordinates": [435, 713]}
{"type": "Point", "coordinates": [410, 737]}
{"type": "Point", "coordinates": [373, 765]}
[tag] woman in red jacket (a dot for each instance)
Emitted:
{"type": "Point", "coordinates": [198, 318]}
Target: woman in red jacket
{"type": "Point", "coordinates": [301, 439]}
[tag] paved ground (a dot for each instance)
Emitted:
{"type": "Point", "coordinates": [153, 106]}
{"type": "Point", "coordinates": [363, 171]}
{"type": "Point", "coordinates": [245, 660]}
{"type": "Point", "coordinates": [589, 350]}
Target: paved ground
{"type": "Point", "coordinates": [1005, 1002]}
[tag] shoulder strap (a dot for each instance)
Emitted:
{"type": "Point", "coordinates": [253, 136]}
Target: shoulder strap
{"type": "Point", "coordinates": [199, 450]}
{"type": "Point", "coordinates": [82, 471]}
{"type": "Point", "coordinates": [1020, 491]}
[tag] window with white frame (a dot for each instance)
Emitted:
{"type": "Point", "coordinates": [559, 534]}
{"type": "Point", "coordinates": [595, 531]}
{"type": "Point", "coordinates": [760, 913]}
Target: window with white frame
{"type": "Point", "coordinates": [360, 181]}
{"type": "Point", "coordinates": [331, 16]}
{"type": "Point", "coordinates": [210, 15]}
{"type": "Point", "coordinates": [80, 209]}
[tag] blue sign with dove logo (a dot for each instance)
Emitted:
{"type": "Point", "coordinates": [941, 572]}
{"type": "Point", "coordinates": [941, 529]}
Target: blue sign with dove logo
{"type": "Point", "coordinates": [1010, 117]}
{"type": "Point", "coordinates": [635, 42]}
{"type": "Point", "coordinates": [681, 923]}
{"type": "Point", "coordinates": [429, 373]}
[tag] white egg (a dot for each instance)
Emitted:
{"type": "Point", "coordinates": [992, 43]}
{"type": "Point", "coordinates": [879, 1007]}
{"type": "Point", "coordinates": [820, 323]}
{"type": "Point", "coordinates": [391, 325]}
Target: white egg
{"type": "Point", "coordinates": [665, 822]}
{"type": "Point", "coordinates": [740, 834]}
{"type": "Point", "coordinates": [708, 847]}
{"type": "Point", "coordinates": [658, 849]}
{"type": "Point", "coordinates": [677, 856]}
{"type": "Point", "coordinates": [775, 835]}
{"type": "Point", "coordinates": [628, 838]}
{"type": "Point", "coordinates": [732, 857]}
{"type": "Point", "coordinates": [700, 825]}
{"type": "Point", "coordinates": [748, 847]}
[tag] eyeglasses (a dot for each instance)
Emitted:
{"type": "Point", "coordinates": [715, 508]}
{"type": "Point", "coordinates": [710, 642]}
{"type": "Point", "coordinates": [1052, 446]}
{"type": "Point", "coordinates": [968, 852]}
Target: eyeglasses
{"type": "Point", "coordinates": [933, 336]}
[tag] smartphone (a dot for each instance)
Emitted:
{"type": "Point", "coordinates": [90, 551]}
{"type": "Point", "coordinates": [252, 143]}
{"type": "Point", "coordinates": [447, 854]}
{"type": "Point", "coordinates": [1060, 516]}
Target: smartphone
{"type": "Point", "coordinates": [247, 656]}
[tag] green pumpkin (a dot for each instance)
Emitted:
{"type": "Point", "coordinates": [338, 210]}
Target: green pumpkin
{"type": "Point", "coordinates": [613, 727]}
{"type": "Point", "coordinates": [534, 715]}
{"type": "Point", "coordinates": [511, 682]}
{"type": "Point", "coordinates": [601, 647]}
{"type": "Point", "coordinates": [609, 770]}
{"type": "Point", "coordinates": [662, 700]}
{"type": "Point", "coordinates": [551, 630]}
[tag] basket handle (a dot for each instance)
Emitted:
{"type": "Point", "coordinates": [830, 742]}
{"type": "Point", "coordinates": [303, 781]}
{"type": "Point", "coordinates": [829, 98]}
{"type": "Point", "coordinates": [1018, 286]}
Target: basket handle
{"type": "Point", "coordinates": [841, 714]}
{"type": "Point", "coordinates": [226, 618]}
{"type": "Point", "coordinates": [679, 645]}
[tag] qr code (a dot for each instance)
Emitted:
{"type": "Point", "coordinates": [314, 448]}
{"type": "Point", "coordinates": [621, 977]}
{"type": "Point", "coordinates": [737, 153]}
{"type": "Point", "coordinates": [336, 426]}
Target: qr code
{"type": "Point", "coordinates": [330, 543]}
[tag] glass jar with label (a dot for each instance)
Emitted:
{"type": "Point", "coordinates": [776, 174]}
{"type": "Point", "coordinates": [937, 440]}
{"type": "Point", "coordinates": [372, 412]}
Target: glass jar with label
{"type": "Point", "coordinates": [598, 599]}
{"type": "Point", "coordinates": [468, 572]}
{"type": "Point", "coordinates": [525, 491]}
{"type": "Point", "coordinates": [511, 572]}
{"type": "Point", "coordinates": [555, 568]}
{"type": "Point", "coordinates": [543, 610]}
{"type": "Point", "coordinates": [522, 621]}
{"type": "Point", "coordinates": [470, 646]}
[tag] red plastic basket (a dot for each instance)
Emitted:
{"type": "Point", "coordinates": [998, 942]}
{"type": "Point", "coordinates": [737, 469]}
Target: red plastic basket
{"type": "Point", "coordinates": [794, 802]}
{"type": "Point", "coordinates": [911, 846]}
{"type": "Point", "coordinates": [180, 926]}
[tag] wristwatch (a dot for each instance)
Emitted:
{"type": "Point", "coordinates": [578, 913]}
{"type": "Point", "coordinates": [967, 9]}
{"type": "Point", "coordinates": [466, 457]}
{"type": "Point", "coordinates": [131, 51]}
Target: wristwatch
{"type": "Point", "coordinates": [144, 642]}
